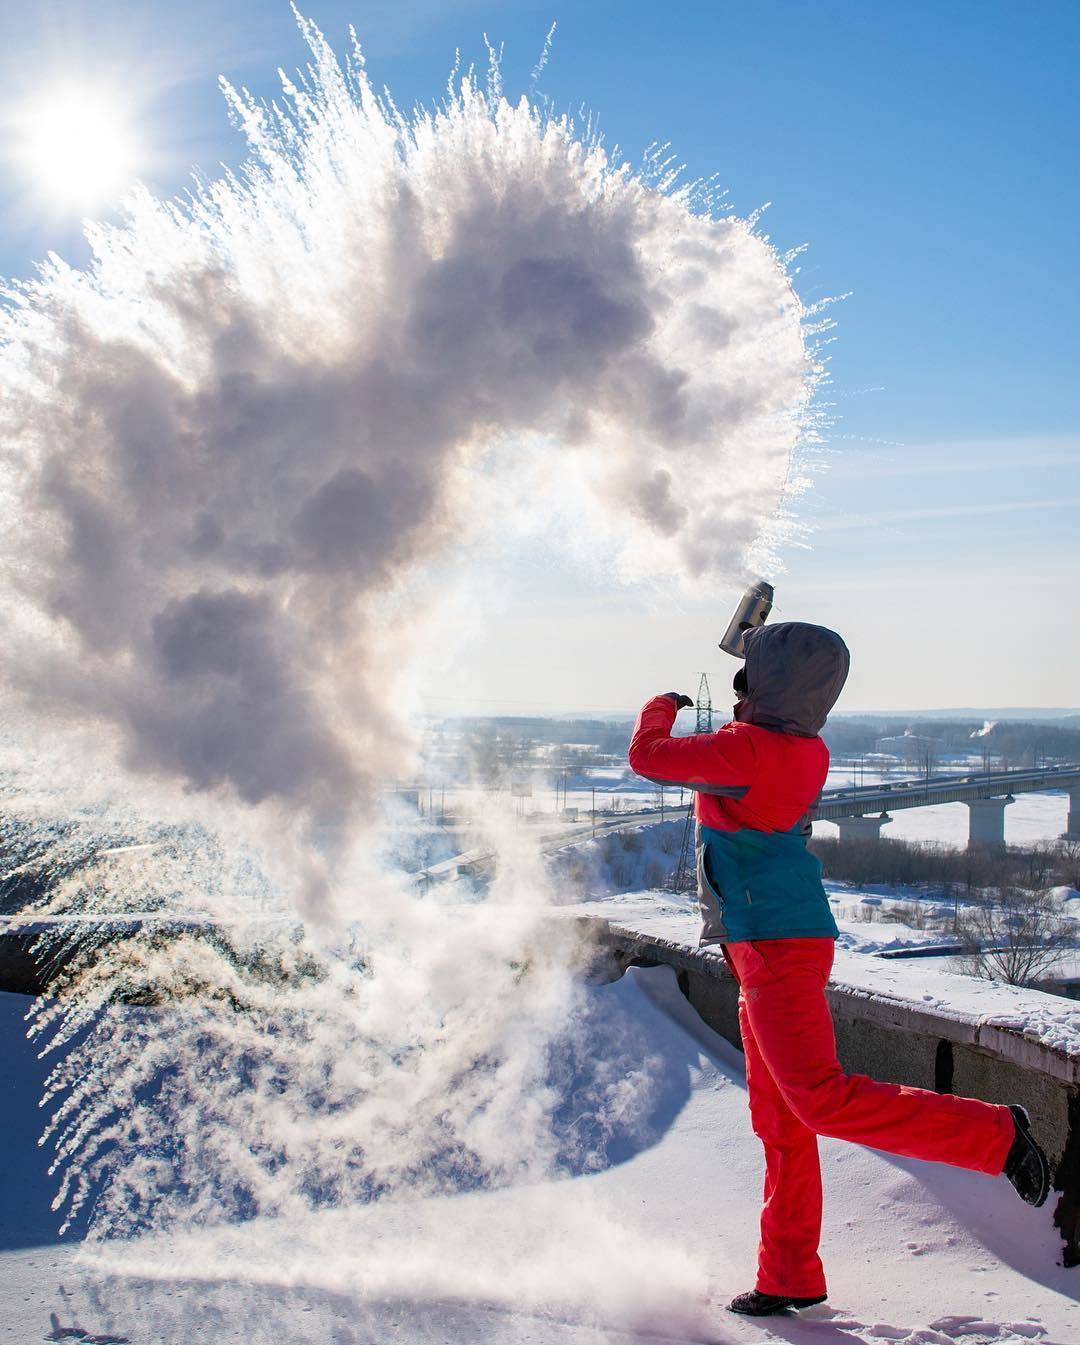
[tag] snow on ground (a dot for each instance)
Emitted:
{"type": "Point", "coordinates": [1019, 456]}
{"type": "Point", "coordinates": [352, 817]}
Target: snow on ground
{"type": "Point", "coordinates": [646, 1251]}
{"type": "Point", "coordinates": [862, 936]}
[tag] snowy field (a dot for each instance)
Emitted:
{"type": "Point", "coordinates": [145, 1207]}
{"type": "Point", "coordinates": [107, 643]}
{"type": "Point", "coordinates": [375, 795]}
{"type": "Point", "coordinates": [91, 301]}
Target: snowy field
{"type": "Point", "coordinates": [647, 1250]}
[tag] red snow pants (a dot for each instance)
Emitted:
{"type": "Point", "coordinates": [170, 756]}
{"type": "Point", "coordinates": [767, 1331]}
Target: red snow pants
{"type": "Point", "coordinates": [798, 1091]}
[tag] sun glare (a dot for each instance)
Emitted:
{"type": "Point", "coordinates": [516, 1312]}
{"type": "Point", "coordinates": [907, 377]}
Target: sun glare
{"type": "Point", "coordinates": [77, 146]}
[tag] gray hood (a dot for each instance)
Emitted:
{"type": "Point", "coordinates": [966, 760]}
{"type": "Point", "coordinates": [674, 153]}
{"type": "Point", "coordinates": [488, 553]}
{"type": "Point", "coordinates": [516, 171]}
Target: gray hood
{"type": "Point", "coordinates": [794, 675]}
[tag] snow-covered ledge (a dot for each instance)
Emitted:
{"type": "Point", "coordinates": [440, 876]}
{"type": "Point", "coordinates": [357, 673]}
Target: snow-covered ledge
{"type": "Point", "coordinates": [899, 1021]}
{"type": "Point", "coordinates": [1031, 1029]}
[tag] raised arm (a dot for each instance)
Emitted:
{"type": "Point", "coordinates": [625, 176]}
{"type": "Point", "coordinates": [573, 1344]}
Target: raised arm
{"type": "Point", "coordinates": [712, 763]}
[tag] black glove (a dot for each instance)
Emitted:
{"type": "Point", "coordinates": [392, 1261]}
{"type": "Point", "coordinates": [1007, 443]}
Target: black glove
{"type": "Point", "coordinates": [681, 702]}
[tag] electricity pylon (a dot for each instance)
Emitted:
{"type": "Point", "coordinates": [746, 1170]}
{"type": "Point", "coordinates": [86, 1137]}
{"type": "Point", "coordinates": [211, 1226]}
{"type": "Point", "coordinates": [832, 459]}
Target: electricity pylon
{"type": "Point", "coordinates": [704, 706]}
{"type": "Point", "coordinates": [685, 875]}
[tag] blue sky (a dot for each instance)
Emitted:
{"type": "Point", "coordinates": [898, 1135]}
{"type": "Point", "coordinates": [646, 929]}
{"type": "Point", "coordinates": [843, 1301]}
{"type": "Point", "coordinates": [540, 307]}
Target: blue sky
{"type": "Point", "coordinates": [927, 155]}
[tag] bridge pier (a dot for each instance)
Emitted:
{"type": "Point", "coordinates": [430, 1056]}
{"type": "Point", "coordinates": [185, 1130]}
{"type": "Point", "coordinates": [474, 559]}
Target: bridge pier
{"type": "Point", "coordinates": [861, 828]}
{"type": "Point", "coordinates": [986, 823]}
{"type": "Point", "coordinates": [1072, 827]}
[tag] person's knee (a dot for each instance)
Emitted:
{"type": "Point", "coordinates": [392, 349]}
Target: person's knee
{"type": "Point", "coordinates": [817, 1108]}
{"type": "Point", "coordinates": [779, 1130]}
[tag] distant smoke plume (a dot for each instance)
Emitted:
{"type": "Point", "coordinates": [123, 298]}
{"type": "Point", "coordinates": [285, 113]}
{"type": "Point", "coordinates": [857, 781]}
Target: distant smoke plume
{"type": "Point", "coordinates": [234, 439]}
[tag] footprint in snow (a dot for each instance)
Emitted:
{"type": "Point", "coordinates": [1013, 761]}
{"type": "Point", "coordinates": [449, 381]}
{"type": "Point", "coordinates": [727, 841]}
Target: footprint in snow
{"type": "Point", "coordinates": [970, 1329]}
{"type": "Point", "coordinates": [956, 1330]}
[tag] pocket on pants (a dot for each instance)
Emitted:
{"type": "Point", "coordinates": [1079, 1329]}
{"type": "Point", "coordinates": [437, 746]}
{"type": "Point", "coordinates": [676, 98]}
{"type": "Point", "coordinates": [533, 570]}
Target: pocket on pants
{"type": "Point", "coordinates": [753, 968]}
{"type": "Point", "coordinates": [779, 958]}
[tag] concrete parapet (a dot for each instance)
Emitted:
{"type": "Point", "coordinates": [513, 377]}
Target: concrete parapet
{"type": "Point", "coordinates": [986, 823]}
{"type": "Point", "coordinates": [20, 972]}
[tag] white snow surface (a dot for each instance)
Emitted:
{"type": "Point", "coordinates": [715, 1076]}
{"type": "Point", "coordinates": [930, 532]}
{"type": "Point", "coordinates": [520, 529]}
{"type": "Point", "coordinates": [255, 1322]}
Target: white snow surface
{"type": "Point", "coordinates": [648, 1250]}
{"type": "Point", "coordinates": [860, 936]}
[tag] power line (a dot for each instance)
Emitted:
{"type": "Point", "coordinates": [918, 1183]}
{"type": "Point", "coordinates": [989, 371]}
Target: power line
{"type": "Point", "coordinates": [549, 705]}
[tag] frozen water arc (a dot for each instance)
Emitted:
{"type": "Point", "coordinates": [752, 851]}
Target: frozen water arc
{"type": "Point", "coordinates": [258, 419]}
{"type": "Point", "coordinates": [261, 411]}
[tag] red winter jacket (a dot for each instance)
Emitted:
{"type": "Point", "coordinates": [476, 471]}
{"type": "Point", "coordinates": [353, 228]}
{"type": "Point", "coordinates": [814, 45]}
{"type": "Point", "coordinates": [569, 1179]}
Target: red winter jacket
{"type": "Point", "coordinates": [756, 779]}
{"type": "Point", "coordinates": [744, 775]}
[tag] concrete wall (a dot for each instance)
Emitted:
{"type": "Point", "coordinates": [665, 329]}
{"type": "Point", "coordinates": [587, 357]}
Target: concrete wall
{"type": "Point", "coordinates": [20, 972]}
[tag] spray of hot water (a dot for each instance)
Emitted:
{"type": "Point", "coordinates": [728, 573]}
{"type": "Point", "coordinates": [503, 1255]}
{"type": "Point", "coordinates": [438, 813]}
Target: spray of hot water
{"type": "Point", "coordinates": [241, 447]}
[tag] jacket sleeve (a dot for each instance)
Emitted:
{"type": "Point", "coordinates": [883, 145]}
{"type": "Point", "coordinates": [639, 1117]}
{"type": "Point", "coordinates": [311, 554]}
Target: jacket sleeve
{"type": "Point", "coordinates": [712, 763]}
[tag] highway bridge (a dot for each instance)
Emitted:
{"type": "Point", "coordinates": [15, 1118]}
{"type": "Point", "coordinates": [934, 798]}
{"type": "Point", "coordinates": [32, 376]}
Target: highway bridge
{"type": "Point", "coordinates": [863, 811]}
{"type": "Point", "coordinates": [858, 813]}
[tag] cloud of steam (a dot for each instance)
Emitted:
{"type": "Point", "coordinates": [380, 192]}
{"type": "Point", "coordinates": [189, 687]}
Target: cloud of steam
{"type": "Point", "coordinates": [239, 448]}
{"type": "Point", "coordinates": [236, 440]}
{"type": "Point", "coordinates": [586, 1266]}
{"type": "Point", "coordinates": [207, 1074]}
{"type": "Point", "coordinates": [309, 1138]}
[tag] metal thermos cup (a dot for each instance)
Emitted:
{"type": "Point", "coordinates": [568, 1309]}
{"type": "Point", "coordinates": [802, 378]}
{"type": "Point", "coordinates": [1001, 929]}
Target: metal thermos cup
{"type": "Point", "coordinates": [754, 606]}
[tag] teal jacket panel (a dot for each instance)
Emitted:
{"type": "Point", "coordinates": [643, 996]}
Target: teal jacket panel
{"type": "Point", "coordinates": [760, 885]}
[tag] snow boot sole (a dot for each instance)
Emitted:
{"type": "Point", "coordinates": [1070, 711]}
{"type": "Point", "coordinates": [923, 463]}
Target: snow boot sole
{"type": "Point", "coordinates": [1026, 1166]}
{"type": "Point", "coordinates": [757, 1304]}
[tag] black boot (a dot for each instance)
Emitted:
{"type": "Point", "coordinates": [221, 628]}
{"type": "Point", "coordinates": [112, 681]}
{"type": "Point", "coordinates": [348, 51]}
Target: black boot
{"type": "Point", "coordinates": [1026, 1166]}
{"type": "Point", "coordinates": [757, 1304]}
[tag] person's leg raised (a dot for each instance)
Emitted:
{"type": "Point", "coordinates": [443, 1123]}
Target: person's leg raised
{"type": "Point", "coordinates": [784, 991]}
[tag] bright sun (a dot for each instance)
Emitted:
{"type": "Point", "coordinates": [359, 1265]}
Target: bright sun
{"type": "Point", "coordinates": [78, 148]}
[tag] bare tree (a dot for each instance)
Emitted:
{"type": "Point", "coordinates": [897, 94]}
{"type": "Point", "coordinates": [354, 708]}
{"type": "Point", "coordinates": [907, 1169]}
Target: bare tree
{"type": "Point", "coordinates": [1016, 935]}
{"type": "Point", "coordinates": [1069, 861]}
{"type": "Point", "coordinates": [1039, 864]}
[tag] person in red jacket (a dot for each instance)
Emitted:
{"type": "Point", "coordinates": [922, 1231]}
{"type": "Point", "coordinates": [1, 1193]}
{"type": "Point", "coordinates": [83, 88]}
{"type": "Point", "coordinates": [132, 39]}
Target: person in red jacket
{"type": "Point", "coordinates": [762, 902]}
